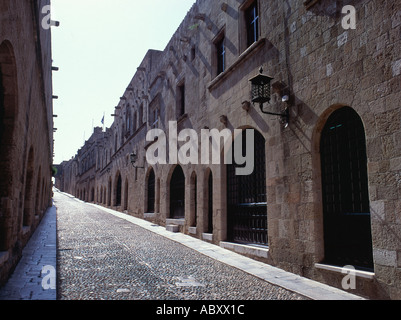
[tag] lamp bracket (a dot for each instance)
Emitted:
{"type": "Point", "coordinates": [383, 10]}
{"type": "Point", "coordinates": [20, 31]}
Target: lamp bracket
{"type": "Point", "coordinates": [285, 115]}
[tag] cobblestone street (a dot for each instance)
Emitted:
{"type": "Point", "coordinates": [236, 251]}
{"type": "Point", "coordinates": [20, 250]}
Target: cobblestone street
{"type": "Point", "coordinates": [101, 256]}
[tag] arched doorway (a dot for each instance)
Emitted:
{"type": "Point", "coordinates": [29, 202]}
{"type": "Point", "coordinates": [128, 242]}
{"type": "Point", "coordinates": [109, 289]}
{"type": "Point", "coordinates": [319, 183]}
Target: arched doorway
{"type": "Point", "coordinates": [118, 191]}
{"type": "Point", "coordinates": [346, 209]}
{"type": "Point", "coordinates": [210, 203]}
{"type": "Point", "coordinates": [246, 197]}
{"type": "Point", "coordinates": [177, 194]}
{"type": "Point", "coordinates": [151, 192]}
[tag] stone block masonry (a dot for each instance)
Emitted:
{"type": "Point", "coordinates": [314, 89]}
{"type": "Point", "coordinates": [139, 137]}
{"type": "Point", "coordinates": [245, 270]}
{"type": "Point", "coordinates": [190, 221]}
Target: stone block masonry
{"type": "Point", "coordinates": [26, 126]}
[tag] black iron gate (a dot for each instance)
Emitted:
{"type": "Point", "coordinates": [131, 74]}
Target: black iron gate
{"type": "Point", "coordinates": [246, 199]}
{"type": "Point", "coordinates": [346, 211]}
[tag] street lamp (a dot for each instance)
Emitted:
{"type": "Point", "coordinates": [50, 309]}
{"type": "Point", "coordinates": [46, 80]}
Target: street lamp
{"type": "Point", "coordinates": [134, 158]}
{"type": "Point", "coordinates": [261, 94]}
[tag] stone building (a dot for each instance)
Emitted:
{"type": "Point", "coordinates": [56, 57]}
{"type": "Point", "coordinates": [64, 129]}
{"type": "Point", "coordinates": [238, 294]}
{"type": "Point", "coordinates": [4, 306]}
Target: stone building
{"type": "Point", "coordinates": [325, 189]}
{"type": "Point", "coordinates": [26, 125]}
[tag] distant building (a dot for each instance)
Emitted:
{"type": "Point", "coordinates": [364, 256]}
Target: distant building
{"type": "Point", "coordinates": [26, 126]}
{"type": "Point", "coordinates": [325, 191]}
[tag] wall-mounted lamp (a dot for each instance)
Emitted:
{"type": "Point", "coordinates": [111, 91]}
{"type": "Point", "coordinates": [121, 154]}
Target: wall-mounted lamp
{"type": "Point", "coordinates": [134, 158]}
{"type": "Point", "coordinates": [261, 94]}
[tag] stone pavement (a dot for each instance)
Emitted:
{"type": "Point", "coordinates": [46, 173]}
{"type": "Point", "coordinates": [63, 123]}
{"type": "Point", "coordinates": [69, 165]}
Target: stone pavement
{"type": "Point", "coordinates": [107, 255]}
{"type": "Point", "coordinates": [38, 264]}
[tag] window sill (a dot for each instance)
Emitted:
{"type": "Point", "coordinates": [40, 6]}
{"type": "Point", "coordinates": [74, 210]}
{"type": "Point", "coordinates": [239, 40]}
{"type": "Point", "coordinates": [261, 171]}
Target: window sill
{"type": "Point", "coordinates": [358, 273]}
{"type": "Point", "coordinates": [242, 58]}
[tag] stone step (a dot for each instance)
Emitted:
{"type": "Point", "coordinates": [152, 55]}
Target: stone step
{"type": "Point", "coordinates": [173, 228]}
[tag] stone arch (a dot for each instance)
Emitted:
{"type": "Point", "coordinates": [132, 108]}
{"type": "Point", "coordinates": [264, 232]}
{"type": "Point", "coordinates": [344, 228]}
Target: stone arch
{"type": "Point", "coordinates": [150, 191]}
{"type": "Point", "coordinates": [346, 237]}
{"type": "Point", "coordinates": [176, 190]}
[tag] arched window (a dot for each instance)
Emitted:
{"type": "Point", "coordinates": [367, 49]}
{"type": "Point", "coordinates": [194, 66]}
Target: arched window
{"type": "Point", "coordinates": [177, 194]}
{"type": "Point", "coordinates": [246, 197]}
{"type": "Point", "coordinates": [346, 210]}
{"type": "Point", "coordinates": [151, 192]}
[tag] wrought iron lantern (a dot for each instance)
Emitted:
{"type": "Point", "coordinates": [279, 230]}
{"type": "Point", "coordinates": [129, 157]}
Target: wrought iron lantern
{"type": "Point", "coordinates": [261, 88]}
{"type": "Point", "coordinates": [261, 93]}
{"type": "Point", "coordinates": [133, 159]}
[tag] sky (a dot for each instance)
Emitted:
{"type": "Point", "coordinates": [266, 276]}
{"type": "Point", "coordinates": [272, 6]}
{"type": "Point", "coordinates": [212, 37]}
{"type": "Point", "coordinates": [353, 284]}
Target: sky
{"type": "Point", "coordinates": [97, 48]}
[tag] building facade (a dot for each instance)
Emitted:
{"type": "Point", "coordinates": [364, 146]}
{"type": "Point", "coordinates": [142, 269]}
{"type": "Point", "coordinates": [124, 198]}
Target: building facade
{"type": "Point", "coordinates": [26, 119]}
{"type": "Point", "coordinates": [325, 189]}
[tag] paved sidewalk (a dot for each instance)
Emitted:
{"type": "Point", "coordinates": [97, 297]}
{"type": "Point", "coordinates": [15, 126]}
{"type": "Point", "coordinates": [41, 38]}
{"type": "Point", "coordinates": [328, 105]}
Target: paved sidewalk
{"type": "Point", "coordinates": [39, 254]}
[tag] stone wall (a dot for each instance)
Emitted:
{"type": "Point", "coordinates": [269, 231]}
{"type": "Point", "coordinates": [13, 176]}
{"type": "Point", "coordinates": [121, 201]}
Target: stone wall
{"type": "Point", "coordinates": [26, 126]}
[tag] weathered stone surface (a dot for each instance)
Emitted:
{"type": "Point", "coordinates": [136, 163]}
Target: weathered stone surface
{"type": "Point", "coordinates": [26, 126]}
